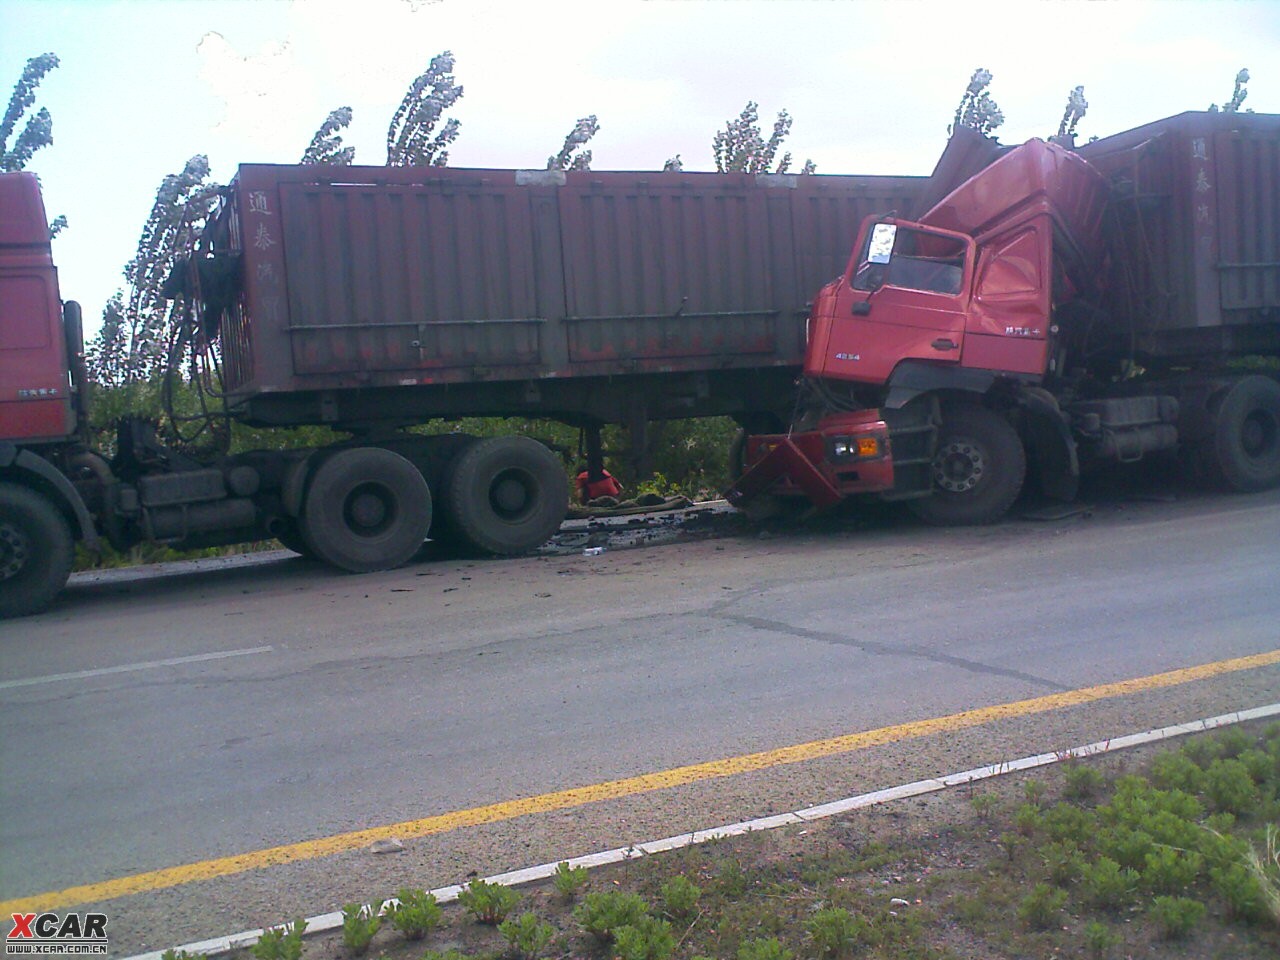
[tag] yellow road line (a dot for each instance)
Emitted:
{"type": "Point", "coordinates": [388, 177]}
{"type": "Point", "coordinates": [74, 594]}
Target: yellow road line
{"type": "Point", "coordinates": [578, 796]}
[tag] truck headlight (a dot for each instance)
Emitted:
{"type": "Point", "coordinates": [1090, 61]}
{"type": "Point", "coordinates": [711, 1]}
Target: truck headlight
{"type": "Point", "coordinates": [859, 448]}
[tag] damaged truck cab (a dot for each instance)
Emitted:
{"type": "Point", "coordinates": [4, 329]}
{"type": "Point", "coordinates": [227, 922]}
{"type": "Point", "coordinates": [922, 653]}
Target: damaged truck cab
{"type": "Point", "coordinates": [956, 348]}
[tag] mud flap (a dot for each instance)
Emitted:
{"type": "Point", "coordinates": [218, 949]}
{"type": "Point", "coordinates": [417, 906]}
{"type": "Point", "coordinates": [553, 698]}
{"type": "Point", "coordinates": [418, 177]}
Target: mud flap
{"type": "Point", "coordinates": [1053, 447]}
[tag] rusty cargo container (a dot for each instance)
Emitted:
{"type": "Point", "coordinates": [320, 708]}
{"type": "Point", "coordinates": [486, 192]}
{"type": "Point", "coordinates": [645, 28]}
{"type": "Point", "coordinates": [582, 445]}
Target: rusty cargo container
{"type": "Point", "coordinates": [357, 294]}
{"type": "Point", "coordinates": [1196, 214]}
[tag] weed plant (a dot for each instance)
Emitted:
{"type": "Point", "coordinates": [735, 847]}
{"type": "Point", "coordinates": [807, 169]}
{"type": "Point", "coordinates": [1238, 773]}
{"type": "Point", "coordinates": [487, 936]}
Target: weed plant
{"type": "Point", "coordinates": [488, 903]}
{"type": "Point", "coordinates": [360, 924]}
{"type": "Point", "coordinates": [280, 943]}
{"type": "Point", "coordinates": [415, 914]}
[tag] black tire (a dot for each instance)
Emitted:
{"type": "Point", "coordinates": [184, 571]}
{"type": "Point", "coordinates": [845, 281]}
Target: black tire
{"type": "Point", "coordinates": [36, 550]}
{"type": "Point", "coordinates": [505, 495]}
{"type": "Point", "coordinates": [977, 471]}
{"type": "Point", "coordinates": [1246, 436]}
{"type": "Point", "coordinates": [366, 509]}
{"type": "Point", "coordinates": [291, 538]}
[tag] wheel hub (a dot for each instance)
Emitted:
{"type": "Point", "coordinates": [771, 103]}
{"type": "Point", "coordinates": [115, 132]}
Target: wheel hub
{"type": "Point", "coordinates": [1258, 434]}
{"type": "Point", "coordinates": [368, 511]}
{"type": "Point", "coordinates": [509, 495]}
{"type": "Point", "coordinates": [14, 551]}
{"type": "Point", "coordinates": [959, 466]}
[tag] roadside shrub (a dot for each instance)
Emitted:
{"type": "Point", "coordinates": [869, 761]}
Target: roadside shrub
{"type": "Point", "coordinates": [1174, 770]}
{"type": "Point", "coordinates": [416, 914]}
{"type": "Point", "coordinates": [1065, 822]}
{"type": "Point", "coordinates": [1062, 861]}
{"type": "Point", "coordinates": [1042, 907]}
{"type": "Point", "coordinates": [1081, 782]}
{"type": "Point", "coordinates": [359, 925]}
{"type": "Point", "coordinates": [984, 804]}
{"type": "Point", "coordinates": [601, 914]}
{"type": "Point", "coordinates": [1034, 791]}
{"type": "Point", "coordinates": [647, 939]}
{"type": "Point", "coordinates": [1171, 870]}
{"type": "Point", "coordinates": [1175, 917]}
{"type": "Point", "coordinates": [835, 931]}
{"type": "Point", "coordinates": [1241, 891]}
{"type": "Point", "coordinates": [1099, 938]}
{"type": "Point", "coordinates": [488, 903]}
{"type": "Point", "coordinates": [680, 897]}
{"type": "Point", "coordinates": [1108, 885]}
{"type": "Point", "coordinates": [280, 943]}
{"type": "Point", "coordinates": [528, 935]}
{"type": "Point", "coordinates": [1127, 846]}
{"type": "Point", "coordinates": [1028, 819]}
{"type": "Point", "coordinates": [763, 948]}
{"type": "Point", "coordinates": [569, 880]}
{"type": "Point", "coordinates": [1230, 788]}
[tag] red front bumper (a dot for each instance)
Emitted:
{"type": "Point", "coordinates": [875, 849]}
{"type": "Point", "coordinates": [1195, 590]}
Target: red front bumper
{"type": "Point", "coordinates": [848, 454]}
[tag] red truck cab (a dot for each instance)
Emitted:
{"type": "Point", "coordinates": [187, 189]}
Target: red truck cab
{"type": "Point", "coordinates": [37, 402]}
{"type": "Point", "coordinates": [931, 313]}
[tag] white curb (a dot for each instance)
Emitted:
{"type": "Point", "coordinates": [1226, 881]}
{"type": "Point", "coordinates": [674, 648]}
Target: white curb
{"type": "Point", "coordinates": [333, 921]}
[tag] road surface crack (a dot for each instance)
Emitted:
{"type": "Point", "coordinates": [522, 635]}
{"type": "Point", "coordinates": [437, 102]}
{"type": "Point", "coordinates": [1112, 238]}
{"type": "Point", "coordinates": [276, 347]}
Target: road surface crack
{"type": "Point", "coordinates": [888, 649]}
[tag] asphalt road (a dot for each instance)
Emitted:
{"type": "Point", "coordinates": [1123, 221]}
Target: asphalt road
{"type": "Point", "coordinates": [160, 718]}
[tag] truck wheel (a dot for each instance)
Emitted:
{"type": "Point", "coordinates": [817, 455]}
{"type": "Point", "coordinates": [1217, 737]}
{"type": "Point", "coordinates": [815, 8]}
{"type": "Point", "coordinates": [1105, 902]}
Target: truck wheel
{"type": "Point", "coordinates": [366, 509]}
{"type": "Point", "coordinates": [977, 471]}
{"type": "Point", "coordinates": [36, 550]}
{"type": "Point", "coordinates": [1246, 435]}
{"type": "Point", "coordinates": [291, 538]}
{"type": "Point", "coordinates": [506, 495]}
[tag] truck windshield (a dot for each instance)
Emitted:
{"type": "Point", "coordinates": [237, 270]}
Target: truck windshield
{"type": "Point", "coordinates": [899, 256]}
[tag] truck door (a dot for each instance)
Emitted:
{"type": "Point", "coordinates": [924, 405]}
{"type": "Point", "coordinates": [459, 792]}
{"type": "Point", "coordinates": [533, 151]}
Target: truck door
{"type": "Point", "coordinates": [1009, 315]}
{"type": "Point", "coordinates": [904, 296]}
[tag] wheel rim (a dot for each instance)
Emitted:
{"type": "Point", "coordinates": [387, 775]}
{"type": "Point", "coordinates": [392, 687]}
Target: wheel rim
{"type": "Point", "coordinates": [959, 466]}
{"type": "Point", "coordinates": [369, 510]}
{"type": "Point", "coordinates": [14, 551]}
{"type": "Point", "coordinates": [512, 495]}
{"type": "Point", "coordinates": [1258, 434]}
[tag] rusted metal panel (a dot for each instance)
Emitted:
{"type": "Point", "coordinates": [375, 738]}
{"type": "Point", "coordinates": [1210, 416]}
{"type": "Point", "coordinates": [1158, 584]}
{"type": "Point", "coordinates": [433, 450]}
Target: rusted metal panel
{"type": "Point", "coordinates": [1198, 220]}
{"type": "Point", "coordinates": [379, 277]}
{"type": "Point", "coordinates": [664, 267]}
{"type": "Point", "coordinates": [401, 277]}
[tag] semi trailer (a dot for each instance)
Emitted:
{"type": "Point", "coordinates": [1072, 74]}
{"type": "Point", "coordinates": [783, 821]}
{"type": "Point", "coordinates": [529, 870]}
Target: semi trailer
{"type": "Point", "coordinates": [374, 299]}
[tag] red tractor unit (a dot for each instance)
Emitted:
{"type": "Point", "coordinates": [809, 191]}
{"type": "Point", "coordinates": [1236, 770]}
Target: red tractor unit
{"type": "Point", "coordinates": [1057, 308]}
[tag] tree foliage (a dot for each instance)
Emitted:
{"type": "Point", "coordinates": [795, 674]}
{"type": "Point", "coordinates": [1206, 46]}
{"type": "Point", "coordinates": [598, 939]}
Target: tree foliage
{"type": "Point", "coordinates": [572, 156]}
{"type": "Point", "coordinates": [976, 109]}
{"type": "Point", "coordinates": [326, 146]}
{"type": "Point", "coordinates": [1237, 95]}
{"type": "Point", "coordinates": [410, 139]}
{"type": "Point", "coordinates": [1073, 113]}
{"type": "Point", "coordinates": [741, 148]}
{"type": "Point", "coordinates": [139, 329]}
{"type": "Point", "coordinates": [38, 131]}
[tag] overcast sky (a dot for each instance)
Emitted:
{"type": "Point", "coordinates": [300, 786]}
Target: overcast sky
{"type": "Point", "coordinates": [145, 84]}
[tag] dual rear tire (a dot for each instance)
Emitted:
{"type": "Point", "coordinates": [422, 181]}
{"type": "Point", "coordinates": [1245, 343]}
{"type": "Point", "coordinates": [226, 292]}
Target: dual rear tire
{"type": "Point", "coordinates": [369, 508]}
{"type": "Point", "coordinates": [502, 496]}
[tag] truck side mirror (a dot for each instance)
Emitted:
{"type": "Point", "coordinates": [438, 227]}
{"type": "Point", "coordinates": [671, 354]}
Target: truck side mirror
{"type": "Point", "coordinates": [862, 308]}
{"type": "Point", "coordinates": [880, 249]}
